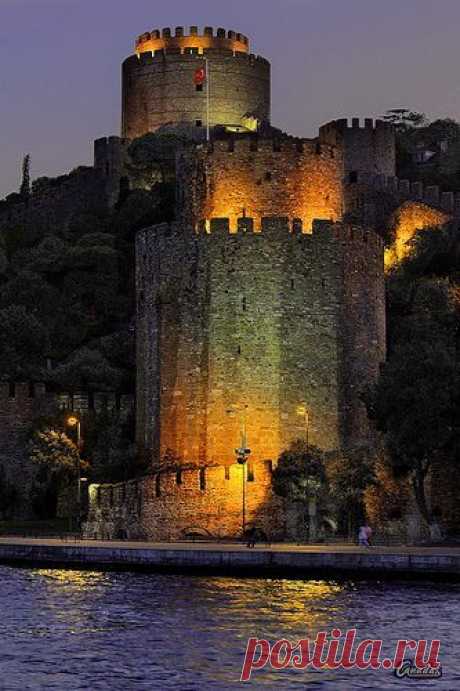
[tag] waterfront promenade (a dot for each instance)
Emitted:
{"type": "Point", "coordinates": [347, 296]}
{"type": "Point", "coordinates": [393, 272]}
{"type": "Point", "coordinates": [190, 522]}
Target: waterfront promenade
{"type": "Point", "coordinates": [281, 559]}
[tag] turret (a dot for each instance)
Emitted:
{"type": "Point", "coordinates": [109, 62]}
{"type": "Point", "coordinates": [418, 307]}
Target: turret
{"type": "Point", "coordinates": [159, 86]}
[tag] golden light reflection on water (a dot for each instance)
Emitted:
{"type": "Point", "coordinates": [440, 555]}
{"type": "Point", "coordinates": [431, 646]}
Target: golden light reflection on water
{"type": "Point", "coordinates": [78, 580]}
{"type": "Point", "coordinates": [297, 604]}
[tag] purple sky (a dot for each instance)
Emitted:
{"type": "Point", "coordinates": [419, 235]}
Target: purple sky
{"type": "Point", "coordinates": [60, 65]}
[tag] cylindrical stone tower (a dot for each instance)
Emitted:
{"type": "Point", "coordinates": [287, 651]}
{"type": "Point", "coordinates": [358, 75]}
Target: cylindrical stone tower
{"type": "Point", "coordinates": [159, 86]}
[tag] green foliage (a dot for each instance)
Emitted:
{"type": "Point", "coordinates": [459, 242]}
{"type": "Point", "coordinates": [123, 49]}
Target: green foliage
{"type": "Point", "coordinates": [25, 182]}
{"type": "Point", "coordinates": [113, 449]}
{"type": "Point", "coordinates": [157, 152]}
{"type": "Point", "coordinates": [23, 343]}
{"type": "Point", "coordinates": [300, 472]}
{"type": "Point", "coordinates": [415, 393]}
{"type": "Point", "coordinates": [416, 403]}
{"type": "Point", "coordinates": [56, 461]}
{"type": "Point", "coordinates": [350, 473]}
{"type": "Point", "coordinates": [404, 119]}
{"type": "Point", "coordinates": [8, 495]}
{"type": "Point", "coordinates": [53, 452]}
{"type": "Point", "coordinates": [87, 370]}
{"type": "Point", "coordinates": [414, 132]}
{"type": "Point", "coordinates": [86, 224]}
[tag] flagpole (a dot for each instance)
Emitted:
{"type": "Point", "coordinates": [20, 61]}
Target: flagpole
{"type": "Point", "coordinates": [207, 100]}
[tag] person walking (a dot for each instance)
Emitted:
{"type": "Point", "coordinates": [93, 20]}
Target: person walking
{"type": "Point", "coordinates": [364, 535]}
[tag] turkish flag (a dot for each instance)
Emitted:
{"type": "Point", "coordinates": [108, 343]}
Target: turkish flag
{"type": "Point", "coordinates": [200, 75]}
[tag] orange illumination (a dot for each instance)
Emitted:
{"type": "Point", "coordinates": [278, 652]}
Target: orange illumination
{"type": "Point", "coordinates": [411, 217]}
{"type": "Point", "coordinates": [148, 45]}
{"type": "Point", "coordinates": [305, 187]}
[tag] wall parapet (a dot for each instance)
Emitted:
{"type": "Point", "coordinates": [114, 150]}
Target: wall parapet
{"type": "Point", "coordinates": [161, 55]}
{"type": "Point", "coordinates": [178, 39]}
{"type": "Point", "coordinates": [281, 145]}
{"type": "Point", "coordinates": [431, 195]}
{"type": "Point", "coordinates": [20, 393]}
{"type": "Point", "coordinates": [343, 125]}
{"type": "Point", "coordinates": [176, 502]}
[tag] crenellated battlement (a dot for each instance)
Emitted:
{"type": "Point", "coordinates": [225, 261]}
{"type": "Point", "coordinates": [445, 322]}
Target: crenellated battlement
{"type": "Point", "coordinates": [368, 146]}
{"type": "Point", "coordinates": [159, 56]}
{"type": "Point", "coordinates": [177, 39]}
{"type": "Point", "coordinates": [271, 227]}
{"type": "Point", "coordinates": [204, 500]}
{"type": "Point", "coordinates": [18, 392]}
{"type": "Point", "coordinates": [344, 124]}
{"type": "Point", "coordinates": [19, 395]}
{"type": "Point", "coordinates": [289, 146]}
{"type": "Point", "coordinates": [405, 190]}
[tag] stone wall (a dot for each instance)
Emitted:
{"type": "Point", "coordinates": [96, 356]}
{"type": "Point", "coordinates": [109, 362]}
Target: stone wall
{"type": "Point", "coordinates": [174, 504]}
{"type": "Point", "coordinates": [367, 150]}
{"type": "Point", "coordinates": [22, 405]}
{"type": "Point", "coordinates": [246, 329]}
{"type": "Point", "coordinates": [259, 178]}
{"type": "Point", "coordinates": [159, 89]}
{"type": "Point", "coordinates": [397, 209]}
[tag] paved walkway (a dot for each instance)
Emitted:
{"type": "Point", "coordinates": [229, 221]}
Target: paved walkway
{"type": "Point", "coordinates": [231, 557]}
{"type": "Point", "coordinates": [232, 546]}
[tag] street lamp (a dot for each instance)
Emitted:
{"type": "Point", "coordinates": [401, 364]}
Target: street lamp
{"type": "Point", "coordinates": [242, 455]}
{"type": "Point", "coordinates": [74, 421]}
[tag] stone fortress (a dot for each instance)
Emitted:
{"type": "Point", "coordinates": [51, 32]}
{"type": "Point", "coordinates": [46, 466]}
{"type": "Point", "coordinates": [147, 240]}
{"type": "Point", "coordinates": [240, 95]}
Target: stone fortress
{"type": "Point", "coordinates": [261, 309]}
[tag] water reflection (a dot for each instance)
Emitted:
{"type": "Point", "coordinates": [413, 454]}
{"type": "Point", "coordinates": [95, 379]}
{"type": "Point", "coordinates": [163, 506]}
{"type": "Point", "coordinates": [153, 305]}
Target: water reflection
{"type": "Point", "coordinates": [89, 630]}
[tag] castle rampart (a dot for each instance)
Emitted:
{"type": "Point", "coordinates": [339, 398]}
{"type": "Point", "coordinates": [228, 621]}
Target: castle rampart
{"type": "Point", "coordinates": [22, 406]}
{"type": "Point", "coordinates": [225, 334]}
{"type": "Point", "coordinates": [260, 177]}
{"type": "Point", "coordinates": [368, 148]}
{"type": "Point", "coordinates": [398, 209]}
{"type": "Point", "coordinates": [178, 503]}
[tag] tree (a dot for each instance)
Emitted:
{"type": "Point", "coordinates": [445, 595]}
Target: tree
{"type": "Point", "coordinates": [403, 118]}
{"type": "Point", "coordinates": [113, 452]}
{"type": "Point", "coordinates": [89, 370]}
{"type": "Point", "coordinates": [25, 182]}
{"type": "Point", "coordinates": [300, 477]}
{"type": "Point", "coordinates": [416, 402]}
{"type": "Point", "coordinates": [349, 475]}
{"type": "Point", "coordinates": [24, 343]}
{"type": "Point", "coordinates": [56, 460]}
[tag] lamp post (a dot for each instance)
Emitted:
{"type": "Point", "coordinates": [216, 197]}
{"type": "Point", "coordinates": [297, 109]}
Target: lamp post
{"type": "Point", "coordinates": [242, 455]}
{"type": "Point", "coordinates": [74, 421]}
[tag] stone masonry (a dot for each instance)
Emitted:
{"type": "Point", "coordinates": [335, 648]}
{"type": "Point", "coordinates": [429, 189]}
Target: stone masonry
{"type": "Point", "coordinates": [250, 327]}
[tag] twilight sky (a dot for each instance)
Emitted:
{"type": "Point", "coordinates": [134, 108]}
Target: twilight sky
{"type": "Point", "coordinates": [60, 65]}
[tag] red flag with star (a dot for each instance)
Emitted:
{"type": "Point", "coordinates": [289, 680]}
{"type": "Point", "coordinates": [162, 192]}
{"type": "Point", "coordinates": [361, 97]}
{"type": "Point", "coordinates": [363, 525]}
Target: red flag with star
{"type": "Point", "coordinates": [199, 76]}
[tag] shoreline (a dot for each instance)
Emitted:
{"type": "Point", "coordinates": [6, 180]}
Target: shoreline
{"type": "Point", "coordinates": [281, 560]}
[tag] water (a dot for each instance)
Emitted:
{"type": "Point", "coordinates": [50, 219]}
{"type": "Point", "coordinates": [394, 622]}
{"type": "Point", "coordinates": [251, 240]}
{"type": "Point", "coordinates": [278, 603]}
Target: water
{"type": "Point", "coordinates": [71, 630]}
